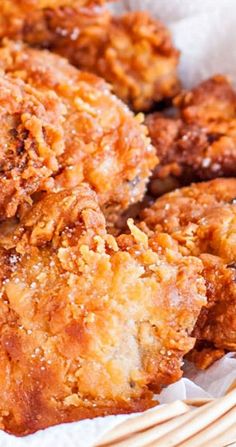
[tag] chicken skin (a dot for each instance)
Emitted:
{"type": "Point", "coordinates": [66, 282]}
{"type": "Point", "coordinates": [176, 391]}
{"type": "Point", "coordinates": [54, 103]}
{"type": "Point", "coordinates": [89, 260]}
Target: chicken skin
{"type": "Point", "coordinates": [200, 142]}
{"type": "Point", "coordinates": [202, 220]}
{"type": "Point", "coordinates": [134, 52]}
{"type": "Point", "coordinates": [19, 9]}
{"type": "Point", "coordinates": [89, 325]}
{"type": "Point", "coordinates": [105, 144]}
{"type": "Point", "coordinates": [31, 142]}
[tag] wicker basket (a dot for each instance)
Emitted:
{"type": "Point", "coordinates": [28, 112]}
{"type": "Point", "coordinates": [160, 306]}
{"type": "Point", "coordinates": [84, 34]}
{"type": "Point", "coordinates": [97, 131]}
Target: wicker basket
{"type": "Point", "coordinates": [196, 423]}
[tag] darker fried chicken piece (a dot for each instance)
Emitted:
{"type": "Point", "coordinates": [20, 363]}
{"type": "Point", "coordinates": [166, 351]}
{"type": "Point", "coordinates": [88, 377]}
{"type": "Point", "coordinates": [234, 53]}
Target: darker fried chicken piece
{"type": "Point", "coordinates": [201, 143]}
{"type": "Point", "coordinates": [134, 52]}
{"type": "Point", "coordinates": [88, 325]}
{"type": "Point", "coordinates": [31, 142]}
{"type": "Point", "coordinates": [202, 219]}
{"type": "Point", "coordinates": [104, 143]}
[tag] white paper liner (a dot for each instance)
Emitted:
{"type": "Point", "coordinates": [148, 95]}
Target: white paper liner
{"type": "Point", "coordinates": [204, 32]}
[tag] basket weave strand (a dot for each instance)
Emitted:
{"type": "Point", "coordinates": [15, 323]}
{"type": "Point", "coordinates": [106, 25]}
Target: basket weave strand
{"type": "Point", "coordinates": [211, 424]}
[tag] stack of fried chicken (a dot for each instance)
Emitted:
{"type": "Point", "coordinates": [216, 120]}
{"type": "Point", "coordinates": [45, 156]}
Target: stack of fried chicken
{"type": "Point", "coordinates": [109, 274]}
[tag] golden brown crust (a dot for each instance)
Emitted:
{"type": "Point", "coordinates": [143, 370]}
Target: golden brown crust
{"type": "Point", "coordinates": [31, 22]}
{"type": "Point", "coordinates": [210, 103]}
{"type": "Point", "coordinates": [17, 9]}
{"type": "Point", "coordinates": [31, 142]}
{"type": "Point", "coordinates": [19, 18]}
{"type": "Point", "coordinates": [201, 143]}
{"type": "Point", "coordinates": [88, 325]}
{"type": "Point", "coordinates": [104, 143]}
{"type": "Point", "coordinates": [134, 52]}
{"type": "Point", "coordinates": [202, 219]}
{"type": "Point", "coordinates": [204, 356]}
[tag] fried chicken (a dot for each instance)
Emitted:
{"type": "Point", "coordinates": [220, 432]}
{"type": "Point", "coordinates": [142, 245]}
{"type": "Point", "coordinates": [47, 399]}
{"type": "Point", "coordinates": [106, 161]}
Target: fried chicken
{"type": "Point", "coordinates": [19, 9]}
{"type": "Point", "coordinates": [31, 142]}
{"type": "Point", "coordinates": [202, 220]}
{"type": "Point", "coordinates": [104, 143]}
{"type": "Point", "coordinates": [134, 52]}
{"type": "Point", "coordinates": [18, 16]}
{"type": "Point", "coordinates": [200, 144]}
{"type": "Point", "coordinates": [90, 325]}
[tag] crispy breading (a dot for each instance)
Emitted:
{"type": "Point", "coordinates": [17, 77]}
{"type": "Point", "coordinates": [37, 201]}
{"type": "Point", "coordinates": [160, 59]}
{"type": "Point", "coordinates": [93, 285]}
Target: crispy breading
{"type": "Point", "coordinates": [104, 143]}
{"type": "Point", "coordinates": [202, 219]}
{"type": "Point", "coordinates": [89, 325]}
{"type": "Point", "coordinates": [18, 9]}
{"type": "Point", "coordinates": [134, 52]}
{"type": "Point", "coordinates": [211, 103]}
{"type": "Point", "coordinates": [31, 142]}
{"type": "Point", "coordinates": [200, 144]}
{"type": "Point", "coordinates": [18, 17]}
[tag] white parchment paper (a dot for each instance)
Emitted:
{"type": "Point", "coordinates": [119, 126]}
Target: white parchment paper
{"type": "Point", "coordinates": [204, 32]}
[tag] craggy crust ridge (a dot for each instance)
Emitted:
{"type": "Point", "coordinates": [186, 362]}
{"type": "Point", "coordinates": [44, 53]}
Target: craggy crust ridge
{"type": "Point", "coordinates": [134, 52]}
{"type": "Point", "coordinates": [105, 144]}
{"type": "Point", "coordinates": [202, 220]}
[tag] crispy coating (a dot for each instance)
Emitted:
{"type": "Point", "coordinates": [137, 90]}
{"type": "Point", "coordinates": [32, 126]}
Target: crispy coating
{"type": "Point", "coordinates": [104, 143]}
{"type": "Point", "coordinates": [17, 17]}
{"type": "Point", "coordinates": [31, 142]}
{"type": "Point", "coordinates": [210, 103]}
{"type": "Point", "coordinates": [201, 143]}
{"type": "Point", "coordinates": [134, 52]}
{"type": "Point", "coordinates": [18, 9]}
{"type": "Point", "coordinates": [202, 219]}
{"type": "Point", "coordinates": [88, 325]}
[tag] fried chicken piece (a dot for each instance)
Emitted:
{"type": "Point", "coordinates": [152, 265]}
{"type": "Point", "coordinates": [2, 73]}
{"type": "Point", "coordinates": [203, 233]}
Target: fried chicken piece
{"type": "Point", "coordinates": [31, 142]}
{"type": "Point", "coordinates": [201, 143]}
{"type": "Point", "coordinates": [210, 104]}
{"type": "Point", "coordinates": [89, 325]}
{"type": "Point", "coordinates": [134, 52]}
{"type": "Point", "coordinates": [104, 143]}
{"type": "Point", "coordinates": [202, 219]}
